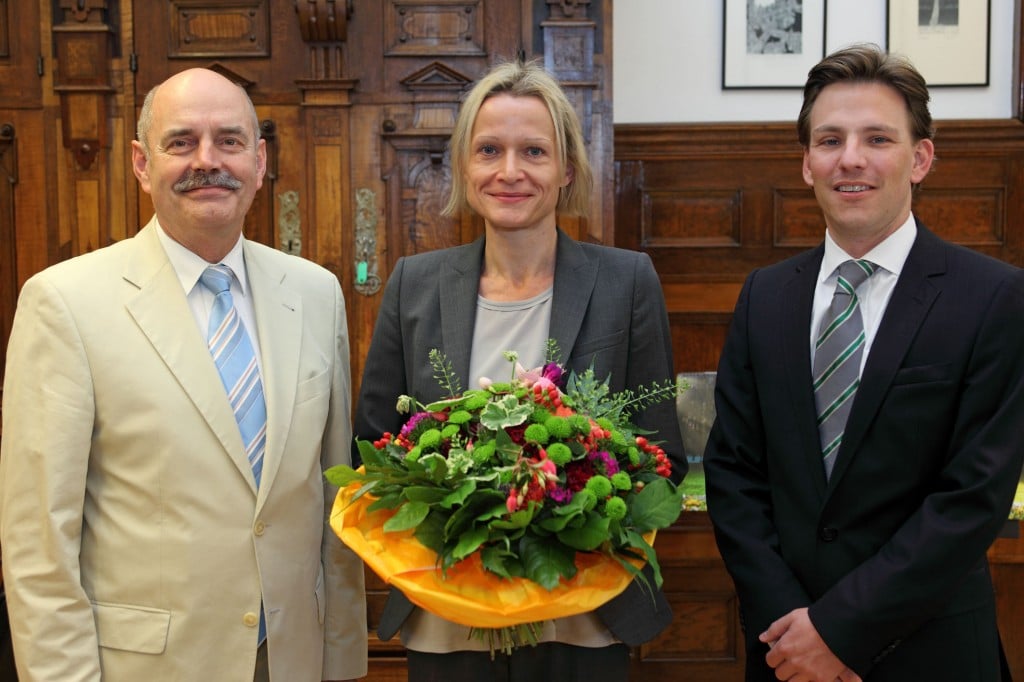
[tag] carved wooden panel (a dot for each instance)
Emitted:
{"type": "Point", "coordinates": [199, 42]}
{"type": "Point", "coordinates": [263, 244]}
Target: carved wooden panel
{"type": "Point", "coordinates": [434, 28]}
{"type": "Point", "coordinates": [200, 28]}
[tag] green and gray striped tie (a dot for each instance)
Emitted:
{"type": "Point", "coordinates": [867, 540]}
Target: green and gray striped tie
{"type": "Point", "coordinates": [837, 358]}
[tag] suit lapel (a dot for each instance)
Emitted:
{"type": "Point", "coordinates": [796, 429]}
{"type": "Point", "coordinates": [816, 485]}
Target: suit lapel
{"type": "Point", "coordinates": [912, 298]}
{"type": "Point", "coordinates": [796, 300]}
{"type": "Point", "coordinates": [459, 287]}
{"type": "Point", "coordinates": [162, 313]}
{"type": "Point", "coordinates": [575, 277]}
{"type": "Point", "coordinates": [279, 326]}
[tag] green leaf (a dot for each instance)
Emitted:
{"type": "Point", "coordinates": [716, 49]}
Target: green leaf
{"type": "Point", "coordinates": [518, 519]}
{"type": "Point", "coordinates": [469, 542]}
{"type": "Point", "coordinates": [546, 560]}
{"type": "Point", "coordinates": [459, 495]}
{"type": "Point", "coordinates": [501, 561]}
{"type": "Point", "coordinates": [389, 501]}
{"type": "Point", "coordinates": [506, 412]}
{"type": "Point", "coordinates": [589, 536]}
{"type": "Point", "coordinates": [424, 493]}
{"type": "Point", "coordinates": [637, 541]}
{"type": "Point", "coordinates": [430, 532]}
{"type": "Point", "coordinates": [409, 515]}
{"type": "Point", "coordinates": [367, 451]}
{"type": "Point", "coordinates": [341, 475]}
{"type": "Point", "coordinates": [658, 505]}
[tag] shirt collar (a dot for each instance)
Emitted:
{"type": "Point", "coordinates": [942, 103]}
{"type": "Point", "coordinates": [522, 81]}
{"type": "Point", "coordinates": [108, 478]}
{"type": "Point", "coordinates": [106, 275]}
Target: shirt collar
{"type": "Point", "coordinates": [189, 266]}
{"type": "Point", "coordinates": [890, 255]}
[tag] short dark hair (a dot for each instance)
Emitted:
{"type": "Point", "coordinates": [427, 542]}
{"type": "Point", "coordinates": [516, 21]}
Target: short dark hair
{"type": "Point", "coordinates": [867, 63]}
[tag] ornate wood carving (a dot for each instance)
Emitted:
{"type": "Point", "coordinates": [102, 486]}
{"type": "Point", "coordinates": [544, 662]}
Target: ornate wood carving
{"type": "Point", "coordinates": [205, 28]}
{"type": "Point", "coordinates": [417, 173]}
{"type": "Point", "coordinates": [84, 43]}
{"type": "Point", "coordinates": [433, 28]}
{"type": "Point", "coordinates": [324, 28]}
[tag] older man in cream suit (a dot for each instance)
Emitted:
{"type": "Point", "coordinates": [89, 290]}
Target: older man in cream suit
{"type": "Point", "coordinates": [140, 542]}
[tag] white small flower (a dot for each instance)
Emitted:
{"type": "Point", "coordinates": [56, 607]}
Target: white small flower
{"type": "Point", "coordinates": [511, 355]}
{"type": "Point", "coordinates": [404, 404]}
{"type": "Point", "coordinates": [485, 382]}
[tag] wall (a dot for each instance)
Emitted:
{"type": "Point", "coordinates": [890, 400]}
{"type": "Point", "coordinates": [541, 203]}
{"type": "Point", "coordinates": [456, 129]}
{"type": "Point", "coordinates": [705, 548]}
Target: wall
{"type": "Point", "coordinates": [668, 63]}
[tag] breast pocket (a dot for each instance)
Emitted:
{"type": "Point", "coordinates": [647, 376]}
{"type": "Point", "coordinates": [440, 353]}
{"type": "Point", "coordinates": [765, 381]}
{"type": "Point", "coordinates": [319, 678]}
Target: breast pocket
{"type": "Point", "coordinates": [922, 374]}
{"type": "Point", "coordinates": [132, 628]}
{"type": "Point", "coordinates": [313, 387]}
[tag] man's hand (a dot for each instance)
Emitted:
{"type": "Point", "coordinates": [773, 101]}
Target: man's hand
{"type": "Point", "coordinates": [798, 652]}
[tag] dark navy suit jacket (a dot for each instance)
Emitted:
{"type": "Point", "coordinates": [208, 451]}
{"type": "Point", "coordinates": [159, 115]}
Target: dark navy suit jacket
{"type": "Point", "coordinates": [889, 553]}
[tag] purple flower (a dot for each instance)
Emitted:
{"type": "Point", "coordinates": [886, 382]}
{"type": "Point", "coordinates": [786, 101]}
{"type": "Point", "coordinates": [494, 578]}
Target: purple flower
{"type": "Point", "coordinates": [414, 420]}
{"type": "Point", "coordinates": [604, 459]}
{"type": "Point", "coordinates": [560, 495]}
{"type": "Point", "coordinates": [555, 374]}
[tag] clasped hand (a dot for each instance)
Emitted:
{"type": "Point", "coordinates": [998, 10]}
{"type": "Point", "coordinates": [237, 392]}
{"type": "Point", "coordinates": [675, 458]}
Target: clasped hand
{"type": "Point", "coordinates": [799, 654]}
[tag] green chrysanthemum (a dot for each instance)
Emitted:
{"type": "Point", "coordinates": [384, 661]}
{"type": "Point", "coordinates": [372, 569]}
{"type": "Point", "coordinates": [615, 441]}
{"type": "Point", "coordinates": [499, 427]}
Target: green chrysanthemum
{"type": "Point", "coordinates": [558, 427]}
{"type": "Point", "coordinates": [559, 453]}
{"type": "Point", "coordinates": [430, 438]}
{"type": "Point", "coordinates": [615, 508]}
{"type": "Point", "coordinates": [621, 481]}
{"type": "Point", "coordinates": [459, 417]}
{"type": "Point", "coordinates": [536, 433]}
{"type": "Point", "coordinates": [600, 486]}
{"type": "Point", "coordinates": [482, 453]}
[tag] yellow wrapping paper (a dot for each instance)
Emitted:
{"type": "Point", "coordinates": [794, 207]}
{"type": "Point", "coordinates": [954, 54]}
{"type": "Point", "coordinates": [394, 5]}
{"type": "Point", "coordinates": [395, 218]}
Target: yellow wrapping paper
{"type": "Point", "coordinates": [469, 594]}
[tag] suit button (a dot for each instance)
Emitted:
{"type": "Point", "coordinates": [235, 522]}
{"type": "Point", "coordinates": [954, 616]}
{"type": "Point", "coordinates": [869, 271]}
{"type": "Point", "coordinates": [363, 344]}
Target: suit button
{"type": "Point", "coordinates": [259, 528]}
{"type": "Point", "coordinates": [251, 619]}
{"type": "Point", "coordinates": [828, 534]}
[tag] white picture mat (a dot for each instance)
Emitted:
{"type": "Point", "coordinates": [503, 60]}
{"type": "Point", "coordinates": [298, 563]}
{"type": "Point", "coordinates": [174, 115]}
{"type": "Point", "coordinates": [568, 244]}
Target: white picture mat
{"type": "Point", "coordinates": [742, 70]}
{"type": "Point", "coordinates": [945, 55]}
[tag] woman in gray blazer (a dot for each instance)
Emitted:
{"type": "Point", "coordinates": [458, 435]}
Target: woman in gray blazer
{"type": "Point", "coordinates": [518, 158]}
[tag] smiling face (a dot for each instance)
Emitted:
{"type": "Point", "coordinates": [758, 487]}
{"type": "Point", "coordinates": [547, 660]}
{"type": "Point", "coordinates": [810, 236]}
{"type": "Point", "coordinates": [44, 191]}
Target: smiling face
{"type": "Point", "coordinates": [513, 173]}
{"type": "Point", "coordinates": [204, 162]}
{"type": "Point", "coordinates": [862, 161]}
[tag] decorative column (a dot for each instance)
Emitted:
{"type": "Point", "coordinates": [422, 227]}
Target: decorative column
{"type": "Point", "coordinates": [84, 42]}
{"type": "Point", "coordinates": [569, 56]}
{"type": "Point", "coordinates": [326, 110]}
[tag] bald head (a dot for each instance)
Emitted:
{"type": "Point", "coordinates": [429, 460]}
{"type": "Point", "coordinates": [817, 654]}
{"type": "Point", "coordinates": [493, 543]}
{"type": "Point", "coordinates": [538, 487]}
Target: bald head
{"type": "Point", "coordinates": [191, 83]}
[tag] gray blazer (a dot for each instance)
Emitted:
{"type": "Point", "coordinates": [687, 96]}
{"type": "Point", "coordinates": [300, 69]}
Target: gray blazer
{"type": "Point", "coordinates": [608, 309]}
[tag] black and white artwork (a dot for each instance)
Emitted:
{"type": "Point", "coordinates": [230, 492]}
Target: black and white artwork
{"type": "Point", "coordinates": [775, 26]}
{"type": "Point", "coordinates": [771, 43]}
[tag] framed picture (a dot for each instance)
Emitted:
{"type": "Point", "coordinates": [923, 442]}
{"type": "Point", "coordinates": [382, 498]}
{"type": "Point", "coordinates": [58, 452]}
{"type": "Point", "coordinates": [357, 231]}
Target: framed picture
{"type": "Point", "coordinates": [771, 43]}
{"type": "Point", "coordinates": [947, 40]}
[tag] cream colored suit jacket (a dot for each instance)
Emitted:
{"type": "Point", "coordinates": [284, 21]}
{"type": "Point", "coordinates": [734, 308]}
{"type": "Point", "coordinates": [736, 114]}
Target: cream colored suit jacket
{"type": "Point", "coordinates": [135, 544]}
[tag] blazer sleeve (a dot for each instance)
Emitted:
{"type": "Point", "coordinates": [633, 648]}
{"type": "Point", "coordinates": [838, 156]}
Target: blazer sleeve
{"type": "Point", "coordinates": [44, 459]}
{"type": "Point", "coordinates": [738, 484]}
{"type": "Point", "coordinates": [650, 361]}
{"type": "Point", "coordinates": [345, 631]}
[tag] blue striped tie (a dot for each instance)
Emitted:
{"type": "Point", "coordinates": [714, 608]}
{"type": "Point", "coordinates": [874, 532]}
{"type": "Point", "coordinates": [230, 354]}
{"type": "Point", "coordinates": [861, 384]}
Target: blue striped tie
{"type": "Point", "coordinates": [236, 361]}
{"type": "Point", "coordinates": [837, 358]}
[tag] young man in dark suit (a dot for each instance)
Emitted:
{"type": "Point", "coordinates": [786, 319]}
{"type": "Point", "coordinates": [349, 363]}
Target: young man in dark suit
{"type": "Point", "coordinates": [869, 436]}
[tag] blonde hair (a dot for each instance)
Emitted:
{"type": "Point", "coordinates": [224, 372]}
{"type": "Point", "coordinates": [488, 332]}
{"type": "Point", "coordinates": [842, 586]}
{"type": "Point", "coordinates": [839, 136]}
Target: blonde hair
{"type": "Point", "coordinates": [524, 79]}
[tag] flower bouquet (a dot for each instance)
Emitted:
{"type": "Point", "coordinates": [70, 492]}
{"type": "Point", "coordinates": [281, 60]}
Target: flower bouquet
{"type": "Point", "coordinates": [514, 503]}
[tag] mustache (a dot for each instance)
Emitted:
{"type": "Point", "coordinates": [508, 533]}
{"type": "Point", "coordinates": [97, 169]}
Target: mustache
{"type": "Point", "coordinates": [194, 179]}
